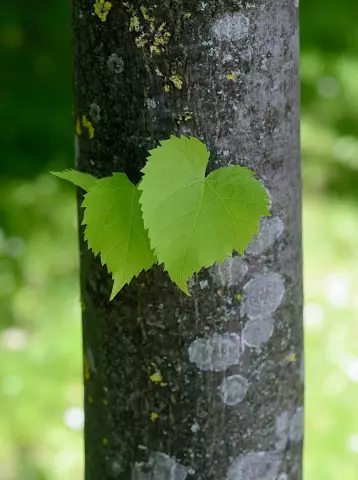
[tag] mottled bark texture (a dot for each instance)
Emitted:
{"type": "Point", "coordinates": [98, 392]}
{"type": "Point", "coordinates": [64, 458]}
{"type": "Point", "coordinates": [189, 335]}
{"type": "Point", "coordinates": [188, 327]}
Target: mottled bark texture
{"type": "Point", "coordinates": [207, 387]}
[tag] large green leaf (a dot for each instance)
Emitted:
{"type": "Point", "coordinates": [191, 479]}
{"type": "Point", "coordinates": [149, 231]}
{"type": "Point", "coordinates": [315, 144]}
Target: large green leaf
{"type": "Point", "coordinates": [114, 227]}
{"type": "Point", "coordinates": [80, 179]}
{"type": "Point", "coordinates": [193, 220]}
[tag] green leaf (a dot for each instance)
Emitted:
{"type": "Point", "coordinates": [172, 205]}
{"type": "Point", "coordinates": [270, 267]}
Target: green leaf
{"type": "Point", "coordinates": [114, 227]}
{"type": "Point", "coordinates": [83, 180]}
{"type": "Point", "coordinates": [193, 220]}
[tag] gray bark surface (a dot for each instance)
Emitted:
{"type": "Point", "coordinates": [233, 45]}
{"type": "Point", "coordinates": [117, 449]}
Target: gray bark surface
{"type": "Point", "coordinates": [226, 398]}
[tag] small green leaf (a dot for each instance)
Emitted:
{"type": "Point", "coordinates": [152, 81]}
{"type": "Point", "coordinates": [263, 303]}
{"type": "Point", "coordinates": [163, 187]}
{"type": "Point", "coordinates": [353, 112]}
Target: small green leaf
{"type": "Point", "coordinates": [80, 179]}
{"type": "Point", "coordinates": [193, 220]}
{"type": "Point", "coordinates": [114, 227]}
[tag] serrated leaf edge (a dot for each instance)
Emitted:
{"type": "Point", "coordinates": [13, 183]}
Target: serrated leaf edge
{"type": "Point", "coordinates": [99, 252]}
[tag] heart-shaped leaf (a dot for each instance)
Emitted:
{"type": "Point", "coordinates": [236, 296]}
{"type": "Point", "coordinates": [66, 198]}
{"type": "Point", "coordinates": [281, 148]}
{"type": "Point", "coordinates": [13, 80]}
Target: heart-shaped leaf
{"type": "Point", "coordinates": [193, 220]}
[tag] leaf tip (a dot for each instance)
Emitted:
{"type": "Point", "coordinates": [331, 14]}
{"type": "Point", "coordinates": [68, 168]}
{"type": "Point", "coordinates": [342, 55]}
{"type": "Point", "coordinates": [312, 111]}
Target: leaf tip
{"type": "Point", "coordinates": [184, 288]}
{"type": "Point", "coordinates": [115, 289]}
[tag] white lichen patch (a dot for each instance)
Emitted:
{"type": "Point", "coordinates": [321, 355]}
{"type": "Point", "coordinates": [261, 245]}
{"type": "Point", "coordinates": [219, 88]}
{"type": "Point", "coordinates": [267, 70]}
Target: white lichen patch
{"type": "Point", "coordinates": [262, 183]}
{"type": "Point", "coordinates": [296, 426]}
{"type": "Point", "coordinates": [231, 272]}
{"type": "Point", "coordinates": [115, 63]}
{"type": "Point", "coordinates": [262, 295]}
{"type": "Point", "coordinates": [233, 389]}
{"type": "Point", "coordinates": [151, 103]}
{"type": "Point", "coordinates": [114, 465]}
{"type": "Point", "coordinates": [195, 428]}
{"type": "Point", "coordinates": [282, 426]}
{"type": "Point", "coordinates": [217, 352]}
{"type": "Point", "coordinates": [159, 467]}
{"type": "Point", "coordinates": [282, 476]}
{"type": "Point", "coordinates": [255, 466]}
{"type": "Point", "coordinates": [270, 231]}
{"type": "Point", "coordinates": [257, 331]}
{"type": "Point", "coordinates": [289, 428]}
{"type": "Point", "coordinates": [231, 27]}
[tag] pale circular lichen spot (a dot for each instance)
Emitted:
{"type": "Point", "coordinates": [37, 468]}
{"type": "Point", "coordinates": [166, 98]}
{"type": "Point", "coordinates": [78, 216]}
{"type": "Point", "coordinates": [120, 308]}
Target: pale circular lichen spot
{"type": "Point", "coordinates": [231, 27]}
{"type": "Point", "coordinates": [231, 272]}
{"type": "Point", "coordinates": [233, 389]}
{"type": "Point", "coordinates": [270, 231]}
{"type": "Point", "coordinates": [114, 466]}
{"type": "Point", "coordinates": [257, 331]}
{"type": "Point", "coordinates": [282, 476]}
{"type": "Point", "coordinates": [296, 425]}
{"type": "Point", "coordinates": [217, 352]}
{"type": "Point", "coordinates": [115, 63]}
{"type": "Point", "coordinates": [263, 295]}
{"type": "Point", "coordinates": [281, 431]}
{"type": "Point", "coordinates": [160, 466]}
{"type": "Point", "coordinates": [255, 466]}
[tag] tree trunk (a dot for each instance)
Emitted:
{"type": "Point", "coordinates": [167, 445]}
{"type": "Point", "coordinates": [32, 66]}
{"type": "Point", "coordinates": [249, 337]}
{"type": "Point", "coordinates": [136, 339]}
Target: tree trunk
{"type": "Point", "coordinates": [207, 387]}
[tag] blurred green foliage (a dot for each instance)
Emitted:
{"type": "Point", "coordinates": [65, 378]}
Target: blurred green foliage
{"type": "Point", "coordinates": [40, 337]}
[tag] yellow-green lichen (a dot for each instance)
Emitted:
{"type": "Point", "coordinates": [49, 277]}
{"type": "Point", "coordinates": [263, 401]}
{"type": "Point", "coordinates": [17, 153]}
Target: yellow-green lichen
{"type": "Point", "coordinates": [105, 402]}
{"type": "Point", "coordinates": [187, 15]}
{"type": "Point", "coordinates": [145, 14]}
{"type": "Point", "coordinates": [292, 357]}
{"type": "Point", "coordinates": [239, 296]}
{"type": "Point", "coordinates": [105, 441]}
{"type": "Point", "coordinates": [231, 76]}
{"type": "Point", "coordinates": [102, 8]}
{"type": "Point", "coordinates": [166, 88]}
{"type": "Point", "coordinates": [134, 24]}
{"type": "Point", "coordinates": [149, 34]}
{"type": "Point", "coordinates": [156, 377]}
{"type": "Point", "coordinates": [78, 127]}
{"type": "Point", "coordinates": [154, 49]}
{"type": "Point", "coordinates": [154, 416]}
{"type": "Point", "coordinates": [177, 81]}
{"type": "Point", "coordinates": [162, 38]}
{"type": "Point", "coordinates": [141, 41]}
{"type": "Point", "coordinates": [88, 124]}
{"type": "Point", "coordinates": [185, 117]}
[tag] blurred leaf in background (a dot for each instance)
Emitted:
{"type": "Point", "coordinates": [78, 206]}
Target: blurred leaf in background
{"type": "Point", "coordinates": [40, 338]}
{"type": "Point", "coordinates": [329, 72]}
{"type": "Point", "coordinates": [35, 86]}
{"type": "Point", "coordinates": [329, 122]}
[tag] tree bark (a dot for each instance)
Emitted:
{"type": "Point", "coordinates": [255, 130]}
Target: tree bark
{"type": "Point", "coordinates": [209, 386]}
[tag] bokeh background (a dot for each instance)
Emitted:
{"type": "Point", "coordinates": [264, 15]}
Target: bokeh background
{"type": "Point", "coordinates": [41, 417]}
